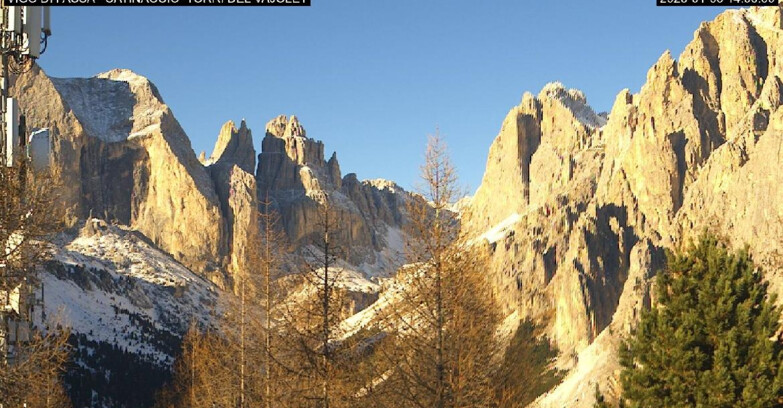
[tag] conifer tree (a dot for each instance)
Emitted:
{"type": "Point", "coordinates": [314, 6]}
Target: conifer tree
{"type": "Point", "coordinates": [712, 340]}
{"type": "Point", "coordinates": [239, 365]}
{"type": "Point", "coordinates": [314, 356]}
{"type": "Point", "coordinates": [440, 339]}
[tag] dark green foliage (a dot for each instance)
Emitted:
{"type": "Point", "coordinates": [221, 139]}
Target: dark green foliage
{"type": "Point", "coordinates": [526, 373]}
{"type": "Point", "coordinates": [711, 341]}
{"type": "Point", "coordinates": [103, 373]}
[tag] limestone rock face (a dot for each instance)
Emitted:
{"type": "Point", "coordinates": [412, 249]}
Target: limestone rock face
{"type": "Point", "coordinates": [289, 159]}
{"type": "Point", "coordinates": [507, 178]}
{"type": "Point", "coordinates": [123, 156]}
{"type": "Point", "coordinates": [531, 155]}
{"type": "Point", "coordinates": [292, 172]}
{"type": "Point", "coordinates": [589, 206]}
{"type": "Point", "coordinates": [231, 167]}
{"type": "Point", "coordinates": [235, 145]}
{"type": "Point", "coordinates": [236, 189]}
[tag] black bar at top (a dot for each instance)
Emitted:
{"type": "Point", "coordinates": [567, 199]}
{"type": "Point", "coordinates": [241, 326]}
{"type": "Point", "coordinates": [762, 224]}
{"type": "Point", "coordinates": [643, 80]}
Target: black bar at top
{"type": "Point", "coordinates": [718, 3]}
{"type": "Point", "coordinates": [278, 3]}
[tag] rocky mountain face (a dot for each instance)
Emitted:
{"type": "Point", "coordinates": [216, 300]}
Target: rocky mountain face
{"type": "Point", "coordinates": [294, 175]}
{"type": "Point", "coordinates": [123, 157]}
{"type": "Point", "coordinates": [576, 207]}
{"type": "Point", "coordinates": [579, 209]}
{"type": "Point", "coordinates": [231, 168]}
{"type": "Point", "coordinates": [127, 304]}
{"type": "Point", "coordinates": [165, 232]}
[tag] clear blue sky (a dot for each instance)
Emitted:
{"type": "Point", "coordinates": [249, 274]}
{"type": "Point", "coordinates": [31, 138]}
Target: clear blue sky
{"type": "Point", "coordinates": [373, 78]}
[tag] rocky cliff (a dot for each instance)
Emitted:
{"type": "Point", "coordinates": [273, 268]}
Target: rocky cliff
{"type": "Point", "coordinates": [589, 205]}
{"type": "Point", "coordinates": [576, 207]}
{"type": "Point", "coordinates": [165, 230]}
{"type": "Point", "coordinates": [294, 175]}
{"type": "Point", "coordinates": [231, 167]}
{"type": "Point", "coordinates": [123, 156]}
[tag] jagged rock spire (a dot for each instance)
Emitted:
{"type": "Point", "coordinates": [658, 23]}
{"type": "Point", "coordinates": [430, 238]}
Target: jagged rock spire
{"type": "Point", "coordinates": [235, 146]}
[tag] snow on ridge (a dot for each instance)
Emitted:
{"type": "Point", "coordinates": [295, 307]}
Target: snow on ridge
{"type": "Point", "coordinates": [575, 101]}
{"type": "Point", "coordinates": [123, 75]}
{"type": "Point", "coordinates": [355, 281]}
{"type": "Point", "coordinates": [103, 107]}
{"type": "Point", "coordinates": [461, 205]}
{"type": "Point", "coordinates": [760, 17]}
{"type": "Point", "coordinates": [107, 105]}
{"type": "Point", "coordinates": [144, 132]}
{"type": "Point", "coordinates": [383, 184]}
{"type": "Point", "coordinates": [392, 291]}
{"type": "Point", "coordinates": [499, 231]}
{"type": "Point", "coordinates": [389, 296]}
{"type": "Point", "coordinates": [113, 287]}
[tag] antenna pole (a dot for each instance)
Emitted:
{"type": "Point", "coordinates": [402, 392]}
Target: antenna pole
{"type": "Point", "coordinates": [21, 29]}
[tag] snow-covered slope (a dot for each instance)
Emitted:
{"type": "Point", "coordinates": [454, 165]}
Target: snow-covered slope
{"type": "Point", "coordinates": [106, 105]}
{"type": "Point", "coordinates": [110, 285]}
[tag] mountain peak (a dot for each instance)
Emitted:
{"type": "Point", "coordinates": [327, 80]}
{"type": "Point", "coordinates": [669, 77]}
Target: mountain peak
{"type": "Point", "coordinates": [575, 101]}
{"type": "Point", "coordinates": [294, 128]}
{"type": "Point", "coordinates": [123, 75]}
{"type": "Point", "coordinates": [235, 146]}
{"type": "Point", "coordinates": [281, 126]}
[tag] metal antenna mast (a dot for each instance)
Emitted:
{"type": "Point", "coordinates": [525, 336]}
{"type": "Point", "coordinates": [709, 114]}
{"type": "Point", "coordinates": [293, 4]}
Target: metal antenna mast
{"type": "Point", "coordinates": [24, 31]}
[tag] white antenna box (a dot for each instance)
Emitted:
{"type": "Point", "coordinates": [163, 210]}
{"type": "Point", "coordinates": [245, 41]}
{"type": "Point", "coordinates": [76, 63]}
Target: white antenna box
{"type": "Point", "coordinates": [32, 30]}
{"type": "Point", "coordinates": [15, 19]}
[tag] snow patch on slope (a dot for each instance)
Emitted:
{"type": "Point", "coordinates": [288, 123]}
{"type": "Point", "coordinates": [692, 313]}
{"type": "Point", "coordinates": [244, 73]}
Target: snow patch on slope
{"type": "Point", "coordinates": [116, 288]}
{"type": "Point", "coordinates": [107, 105]}
{"type": "Point", "coordinates": [391, 294]}
{"type": "Point", "coordinates": [595, 364]}
{"type": "Point", "coordinates": [575, 101]}
{"type": "Point", "coordinates": [103, 107]}
{"type": "Point", "coordinates": [389, 258]}
{"type": "Point", "coordinates": [500, 230]}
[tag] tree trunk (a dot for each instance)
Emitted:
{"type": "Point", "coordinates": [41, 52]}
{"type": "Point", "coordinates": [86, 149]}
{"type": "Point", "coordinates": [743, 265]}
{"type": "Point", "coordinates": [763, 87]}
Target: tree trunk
{"type": "Point", "coordinates": [242, 344]}
{"type": "Point", "coordinates": [325, 345]}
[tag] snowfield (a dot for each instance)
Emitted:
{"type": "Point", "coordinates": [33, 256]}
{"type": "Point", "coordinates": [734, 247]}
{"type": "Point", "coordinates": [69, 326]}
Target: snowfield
{"type": "Point", "coordinates": [114, 287]}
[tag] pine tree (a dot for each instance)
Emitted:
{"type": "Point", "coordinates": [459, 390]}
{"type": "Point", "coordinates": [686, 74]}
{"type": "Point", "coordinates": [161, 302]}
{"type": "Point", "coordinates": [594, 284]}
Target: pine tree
{"type": "Point", "coordinates": [713, 339]}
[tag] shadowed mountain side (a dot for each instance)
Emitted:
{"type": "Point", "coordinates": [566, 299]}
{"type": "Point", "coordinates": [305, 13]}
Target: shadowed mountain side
{"type": "Point", "coordinates": [293, 172]}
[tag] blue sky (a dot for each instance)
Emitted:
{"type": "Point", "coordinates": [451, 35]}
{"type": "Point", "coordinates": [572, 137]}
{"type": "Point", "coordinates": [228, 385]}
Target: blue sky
{"type": "Point", "coordinates": [373, 78]}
